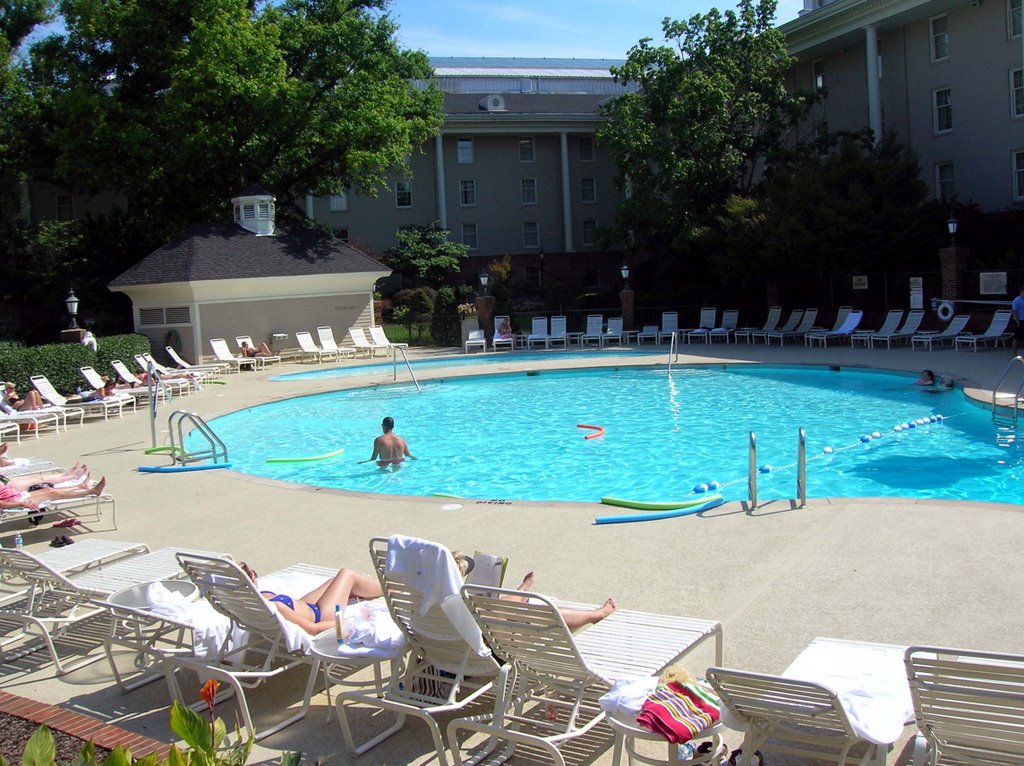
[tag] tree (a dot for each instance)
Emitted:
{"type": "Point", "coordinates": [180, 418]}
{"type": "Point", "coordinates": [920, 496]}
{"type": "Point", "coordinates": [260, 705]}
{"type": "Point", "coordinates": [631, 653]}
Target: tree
{"type": "Point", "coordinates": [425, 252]}
{"type": "Point", "coordinates": [179, 105]}
{"type": "Point", "coordinates": [711, 116]}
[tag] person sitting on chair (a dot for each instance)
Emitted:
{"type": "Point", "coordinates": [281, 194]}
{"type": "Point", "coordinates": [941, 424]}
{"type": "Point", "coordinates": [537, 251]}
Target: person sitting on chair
{"type": "Point", "coordinates": [263, 350]}
{"type": "Point", "coordinates": [31, 401]}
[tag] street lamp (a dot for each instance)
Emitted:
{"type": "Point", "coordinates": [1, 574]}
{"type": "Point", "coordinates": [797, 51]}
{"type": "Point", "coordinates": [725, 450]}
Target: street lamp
{"type": "Point", "coordinates": [951, 225]}
{"type": "Point", "coordinates": [484, 279]}
{"type": "Point", "coordinates": [624, 271]}
{"type": "Point", "coordinates": [72, 303]}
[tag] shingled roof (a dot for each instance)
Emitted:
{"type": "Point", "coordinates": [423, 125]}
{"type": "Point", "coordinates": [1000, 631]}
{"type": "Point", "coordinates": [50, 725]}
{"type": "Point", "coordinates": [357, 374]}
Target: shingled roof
{"type": "Point", "coordinates": [226, 251]}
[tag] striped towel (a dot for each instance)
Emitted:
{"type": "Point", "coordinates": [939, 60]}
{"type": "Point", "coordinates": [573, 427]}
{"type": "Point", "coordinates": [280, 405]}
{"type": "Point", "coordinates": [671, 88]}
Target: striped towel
{"type": "Point", "coordinates": [679, 712]}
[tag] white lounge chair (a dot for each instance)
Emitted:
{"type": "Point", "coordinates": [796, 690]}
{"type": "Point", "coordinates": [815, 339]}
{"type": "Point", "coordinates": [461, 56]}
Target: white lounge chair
{"type": "Point", "coordinates": [903, 335]}
{"type": "Point", "coordinates": [995, 334]}
{"type": "Point", "coordinates": [215, 368]}
{"type": "Point", "coordinates": [647, 332]}
{"type": "Point", "coordinates": [795, 317]}
{"type": "Point", "coordinates": [834, 696]}
{"type": "Point", "coordinates": [558, 332]}
{"type": "Point", "coordinates": [244, 340]}
{"type": "Point", "coordinates": [842, 335]}
{"type": "Point", "coordinates": [178, 386]}
{"type": "Point", "coordinates": [32, 420]}
{"type": "Point", "coordinates": [967, 705]}
{"type": "Point", "coordinates": [362, 343]}
{"type": "Point", "coordinates": [770, 323]}
{"type": "Point", "coordinates": [613, 332]}
{"type": "Point", "coordinates": [892, 321]}
{"type": "Point", "coordinates": [326, 336]}
{"type": "Point", "coordinates": [669, 325]}
{"type": "Point", "coordinates": [708, 316]}
{"type": "Point", "coordinates": [841, 313]}
{"type": "Point", "coordinates": [380, 339]}
{"type": "Point", "coordinates": [308, 346]}
{"type": "Point", "coordinates": [236, 363]}
{"type": "Point", "coordinates": [547, 690]}
{"type": "Point", "coordinates": [594, 331]}
{"type": "Point", "coordinates": [947, 335]}
{"type": "Point", "coordinates": [499, 342]}
{"type": "Point", "coordinates": [730, 318]}
{"type": "Point", "coordinates": [476, 339]}
{"type": "Point", "coordinates": [449, 666]}
{"type": "Point", "coordinates": [96, 382]}
{"type": "Point", "coordinates": [538, 333]}
{"type": "Point", "coordinates": [99, 407]}
{"type": "Point", "coordinates": [801, 329]}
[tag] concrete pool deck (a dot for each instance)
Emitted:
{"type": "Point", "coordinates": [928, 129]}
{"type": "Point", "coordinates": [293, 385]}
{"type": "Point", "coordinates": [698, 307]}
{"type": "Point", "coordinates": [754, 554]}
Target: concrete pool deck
{"type": "Point", "coordinates": [896, 571]}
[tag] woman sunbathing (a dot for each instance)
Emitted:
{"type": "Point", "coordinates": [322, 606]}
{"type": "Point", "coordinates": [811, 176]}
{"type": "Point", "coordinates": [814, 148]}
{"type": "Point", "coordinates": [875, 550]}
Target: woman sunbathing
{"type": "Point", "coordinates": [12, 497]}
{"type": "Point", "coordinates": [30, 401]}
{"type": "Point", "coordinates": [73, 477]}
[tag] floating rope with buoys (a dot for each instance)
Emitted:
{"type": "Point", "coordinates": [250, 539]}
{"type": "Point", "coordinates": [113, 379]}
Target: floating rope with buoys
{"type": "Point", "coordinates": [598, 431]}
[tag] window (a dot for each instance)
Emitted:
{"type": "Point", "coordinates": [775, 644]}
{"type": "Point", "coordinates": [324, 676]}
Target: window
{"type": "Point", "coordinates": [945, 189]}
{"type": "Point", "coordinates": [266, 210]}
{"type": "Point", "coordinates": [943, 110]}
{"type": "Point", "coordinates": [940, 38]}
{"type": "Point", "coordinates": [528, 191]}
{"type": "Point", "coordinates": [531, 235]}
{"type": "Point", "coordinates": [1013, 20]}
{"type": "Point", "coordinates": [1018, 175]}
{"type": "Point", "coordinates": [465, 152]}
{"type": "Point", "coordinates": [586, 148]}
{"type": "Point", "coordinates": [338, 202]}
{"type": "Point", "coordinates": [467, 193]}
{"type": "Point", "coordinates": [589, 233]}
{"type": "Point", "coordinates": [469, 238]}
{"type": "Point", "coordinates": [818, 74]}
{"type": "Point", "coordinates": [403, 193]}
{"type": "Point", "coordinates": [526, 150]}
{"type": "Point", "coordinates": [1017, 93]}
{"type": "Point", "coordinates": [65, 205]}
{"type": "Point", "coordinates": [588, 190]}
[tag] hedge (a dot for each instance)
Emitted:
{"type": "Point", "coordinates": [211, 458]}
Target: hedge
{"type": "Point", "coordinates": [60, 362]}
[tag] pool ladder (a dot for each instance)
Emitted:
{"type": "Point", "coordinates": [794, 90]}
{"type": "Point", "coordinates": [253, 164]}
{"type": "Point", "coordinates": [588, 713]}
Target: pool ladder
{"type": "Point", "coordinates": [399, 348]}
{"type": "Point", "coordinates": [801, 470]}
{"type": "Point", "coordinates": [1001, 402]}
{"type": "Point", "coordinates": [215, 449]}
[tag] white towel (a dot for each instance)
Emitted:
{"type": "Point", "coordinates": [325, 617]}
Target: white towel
{"type": "Point", "coordinates": [209, 627]}
{"type": "Point", "coordinates": [627, 697]}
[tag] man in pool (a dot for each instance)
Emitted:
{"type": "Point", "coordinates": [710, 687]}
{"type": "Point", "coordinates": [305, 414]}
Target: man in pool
{"type": "Point", "coordinates": [390, 449]}
{"type": "Point", "coordinates": [1017, 310]}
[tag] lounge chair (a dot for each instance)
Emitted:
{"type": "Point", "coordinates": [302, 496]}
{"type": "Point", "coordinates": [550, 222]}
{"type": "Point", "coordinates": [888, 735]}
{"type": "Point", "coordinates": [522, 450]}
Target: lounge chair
{"type": "Point", "coordinates": [967, 705]}
{"type": "Point", "coordinates": [770, 323]}
{"type": "Point", "coordinates": [647, 332]}
{"type": "Point", "coordinates": [995, 334]}
{"type": "Point", "coordinates": [326, 336]}
{"type": "Point", "coordinates": [175, 386]}
{"type": "Point", "coordinates": [449, 666]}
{"type": "Point", "coordinates": [558, 332]}
{"type": "Point", "coordinates": [28, 466]}
{"type": "Point", "coordinates": [236, 363]}
{"type": "Point", "coordinates": [476, 339]}
{"type": "Point", "coordinates": [498, 342]}
{"type": "Point", "coordinates": [841, 313]}
{"type": "Point", "coordinates": [80, 409]}
{"type": "Point", "coordinates": [892, 321]}
{"type": "Point", "coordinates": [947, 335]}
{"type": "Point", "coordinates": [594, 331]}
{"type": "Point", "coordinates": [379, 338]}
{"type": "Point", "coordinates": [32, 421]}
{"type": "Point", "coordinates": [834, 696]}
{"type": "Point", "coordinates": [842, 334]}
{"type": "Point", "coordinates": [215, 368]}
{"type": "Point", "coordinates": [730, 318]}
{"type": "Point", "coordinates": [806, 322]}
{"type": "Point", "coordinates": [613, 332]}
{"type": "Point", "coordinates": [669, 326]}
{"type": "Point", "coordinates": [267, 358]}
{"type": "Point", "coordinates": [788, 326]}
{"type": "Point", "coordinates": [708, 316]}
{"type": "Point", "coordinates": [547, 690]}
{"type": "Point", "coordinates": [8, 430]}
{"type": "Point", "coordinates": [903, 335]}
{"type": "Point", "coordinates": [538, 333]}
{"type": "Point", "coordinates": [363, 344]}
{"type": "Point", "coordinates": [96, 382]}
{"type": "Point", "coordinates": [314, 353]}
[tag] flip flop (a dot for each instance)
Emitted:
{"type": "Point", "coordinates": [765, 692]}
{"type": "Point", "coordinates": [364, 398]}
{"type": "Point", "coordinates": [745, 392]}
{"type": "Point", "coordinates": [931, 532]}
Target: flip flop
{"type": "Point", "coordinates": [68, 523]}
{"type": "Point", "coordinates": [57, 542]}
{"type": "Point", "coordinates": [67, 540]}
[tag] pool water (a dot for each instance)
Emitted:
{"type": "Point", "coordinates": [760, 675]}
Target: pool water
{"type": "Point", "coordinates": [515, 436]}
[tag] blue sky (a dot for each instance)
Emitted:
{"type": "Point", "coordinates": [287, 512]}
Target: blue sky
{"type": "Point", "coordinates": [550, 28]}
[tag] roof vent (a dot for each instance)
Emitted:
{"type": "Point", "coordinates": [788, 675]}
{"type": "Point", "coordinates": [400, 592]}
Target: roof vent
{"type": "Point", "coordinates": [493, 103]}
{"type": "Point", "coordinates": [254, 210]}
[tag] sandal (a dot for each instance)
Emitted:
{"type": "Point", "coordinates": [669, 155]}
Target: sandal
{"type": "Point", "coordinates": [734, 756]}
{"type": "Point", "coordinates": [57, 542]}
{"type": "Point", "coordinates": [68, 523]}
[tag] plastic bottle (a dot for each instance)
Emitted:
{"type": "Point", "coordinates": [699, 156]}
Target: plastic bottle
{"type": "Point", "coordinates": [18, 542]}
{"type": "Point", "coordinates": [338, 632]}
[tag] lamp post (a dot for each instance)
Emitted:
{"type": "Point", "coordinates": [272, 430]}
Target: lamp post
{"type": "Point", "coordinates": [951, 224]}
{"type": "Point", "coordinates": [624, 271]}
{"type": "Point", "coordinates": [484, 279]}
{"type": "Point", "coordinates": [72, 303]}
{"type": "Point", "coordinates": [626, 298]}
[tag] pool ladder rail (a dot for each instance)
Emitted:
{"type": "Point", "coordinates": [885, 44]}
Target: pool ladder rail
{"type": "Point", "coordinates": [399, 348]}
{"type": "Point", "coordinates": [215, 449]}
{"type": "Point", "coordinates": [801, 470]}
{"type": "Point", "coordinates": [1006, 406]}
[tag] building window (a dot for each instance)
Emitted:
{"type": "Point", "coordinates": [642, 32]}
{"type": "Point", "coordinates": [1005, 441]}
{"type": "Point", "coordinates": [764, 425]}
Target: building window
{"type": "Point", "coordinates": [65, 205]}
{"type": "Point", "coordinates": [403, 193]}
{"type": "Point", "coordinates": [531, 235]}
{"type": "Point", "coordinates": [469, 238]}
{"type": "Point", "coordinates": [589, 233]}
{"type": "Point", "coordinates": [945, 189]}
{"type": "Point", "coordinates": [467, 193]}
{"type": "Point", "coordinates": [943, 110]}
{"type": "Point", "coordinates": [940, 38]}
{"type": "Point", "coordinates": [818, 74]}
{"type": "Point", "coordinates": [528, 191]}
{"type": "Point", "coordinates": [588, 190]}
{"type": "Point", "coordinates": [1013, 17]}
{"type": "Point", "coordinates": [338, 202]}
{"type": "Point", "coordinates": [586, 148]}
{"type": "Point", "coordinates": [1018, 175]}
{"type": "Point", "coordinates": [265, 210]}
{"type": "Point", "coordinates": [1017, 93]}
{"type": "Point", "coordinates": [526, 150]}
{"type": "Point", "coordinates": [465, 152]}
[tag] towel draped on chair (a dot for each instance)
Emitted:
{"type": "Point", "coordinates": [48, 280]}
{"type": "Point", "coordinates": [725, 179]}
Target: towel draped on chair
{"type": "Point", "coordinates": [679, 712]}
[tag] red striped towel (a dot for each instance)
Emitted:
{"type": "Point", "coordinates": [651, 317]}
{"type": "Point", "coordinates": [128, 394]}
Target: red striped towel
{"type": "Point", "coordinates": [679, 712]}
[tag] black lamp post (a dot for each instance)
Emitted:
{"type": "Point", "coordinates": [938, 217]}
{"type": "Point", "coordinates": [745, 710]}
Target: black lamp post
{"type": "Point", "coordinates": [484, 279]}
{"type": "Point", "coordinates": [951, 224]}
{"type": "Point", "coordinates": [624, 271]}
{"type": "Point", "coordinates": [72, 303]}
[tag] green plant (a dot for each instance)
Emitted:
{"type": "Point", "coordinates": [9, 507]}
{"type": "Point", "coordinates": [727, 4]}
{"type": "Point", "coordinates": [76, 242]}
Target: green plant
{"type": "Point", "coordinates": [60, 362]}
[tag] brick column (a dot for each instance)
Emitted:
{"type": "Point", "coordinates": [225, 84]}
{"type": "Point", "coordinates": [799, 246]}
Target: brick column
{"type": "Point", "coordinates": [626, 298]}
{"type": "Point", "coordinates": [485, 314]}
{"type": "Point", "coordinates": [952, 261]}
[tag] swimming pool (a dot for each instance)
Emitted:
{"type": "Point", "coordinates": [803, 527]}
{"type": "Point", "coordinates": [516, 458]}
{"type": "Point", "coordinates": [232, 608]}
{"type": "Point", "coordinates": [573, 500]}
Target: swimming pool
{"type": "Point", "coordinates": [515, 436]}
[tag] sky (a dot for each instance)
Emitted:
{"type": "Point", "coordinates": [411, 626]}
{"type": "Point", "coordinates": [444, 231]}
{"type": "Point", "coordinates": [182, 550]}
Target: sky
{"type": "Point", "coordinates": [548, 28]}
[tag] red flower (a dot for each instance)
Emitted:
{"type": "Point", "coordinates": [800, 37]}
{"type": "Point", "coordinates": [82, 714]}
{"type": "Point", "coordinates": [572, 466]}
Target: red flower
{"type": "Point", "coordinates": [209, 693]}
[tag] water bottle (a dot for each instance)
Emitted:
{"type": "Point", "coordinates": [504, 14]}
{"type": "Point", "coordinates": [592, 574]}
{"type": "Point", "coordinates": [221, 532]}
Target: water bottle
{"type": "Point", "coordinates": [339, 633]}
{"type": "Point", "coordinates": [18, 542]}
{"type": "Point", "coordinates": [684, 751]}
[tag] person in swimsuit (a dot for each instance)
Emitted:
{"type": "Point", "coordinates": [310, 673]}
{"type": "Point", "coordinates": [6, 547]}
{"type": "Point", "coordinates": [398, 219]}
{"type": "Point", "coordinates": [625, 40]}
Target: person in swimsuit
{"type": "Point", "coordinates": [12, 497]}
{"type": "Point", "coordinates": [314, 612]}
{"type": "Point", "coordinates": [263, 350]}
{"type": "Point", "coordinates": [390, 449]}
{"type": "Point", "coordinates": [31, 401]}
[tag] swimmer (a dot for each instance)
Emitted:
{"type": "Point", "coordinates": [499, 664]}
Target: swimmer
{"type": "Point", "coordinates": [927, 378]}
{"type": "Point", "coordinates": [390, 449]}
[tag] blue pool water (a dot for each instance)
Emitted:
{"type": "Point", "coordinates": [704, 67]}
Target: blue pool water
{"type": "Point", "coordinates": [515, 436]}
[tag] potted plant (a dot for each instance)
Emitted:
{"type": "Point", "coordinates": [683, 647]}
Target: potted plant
{"type": "Point", "coordinates": [470, 320]}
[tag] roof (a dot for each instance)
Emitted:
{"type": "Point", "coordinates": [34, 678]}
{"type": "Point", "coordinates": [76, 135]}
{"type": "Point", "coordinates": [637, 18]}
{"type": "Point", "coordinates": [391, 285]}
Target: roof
{"type": "Point", "coordinates": [483, 66]}
{"type": "Point", "coordinates": [227, 251]}
{"type": "Point", "coordinates": [528, 103]}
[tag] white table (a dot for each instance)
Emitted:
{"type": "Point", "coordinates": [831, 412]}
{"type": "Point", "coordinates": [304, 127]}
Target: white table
{"type": "Point", "coordinates": [337, 667]}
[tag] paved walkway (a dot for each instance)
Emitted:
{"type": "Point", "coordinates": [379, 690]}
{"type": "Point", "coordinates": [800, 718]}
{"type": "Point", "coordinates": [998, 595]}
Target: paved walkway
{"type": "Point", "coordinates": [900, 571]}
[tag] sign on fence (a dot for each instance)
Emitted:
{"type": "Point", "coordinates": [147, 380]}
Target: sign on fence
{"type": "Point", "coordinates": [992, 283]}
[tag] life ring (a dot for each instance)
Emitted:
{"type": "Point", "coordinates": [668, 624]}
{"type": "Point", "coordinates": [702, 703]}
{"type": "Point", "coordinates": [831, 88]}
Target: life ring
{"type": "Point", "coordinates": [173, 340]}
{"type": "Point", "coordinates": [945, 311]}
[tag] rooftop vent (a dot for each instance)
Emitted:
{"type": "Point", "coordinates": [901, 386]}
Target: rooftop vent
{"type": "Point", "coordinates": [254, 210]}
{"type": "Point", "coordinates": [493, 103]}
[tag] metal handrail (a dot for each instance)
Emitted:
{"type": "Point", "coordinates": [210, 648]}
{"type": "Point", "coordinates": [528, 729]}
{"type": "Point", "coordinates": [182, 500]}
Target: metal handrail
{"type": "Point", "coordinates": [217, 450]}
{"type": "Point", "coordinates": [154, 383]}
{"type": "Point", "coordinates": [673, 351]}
{"type": "Point", "coordinates": [405, 356]}
{"type": "Point", "coordinates": [752, 472]}
{"type": "Point", "coordinates": [801, 468]}
{"type": "Point", "coordinates": [1015, 396]}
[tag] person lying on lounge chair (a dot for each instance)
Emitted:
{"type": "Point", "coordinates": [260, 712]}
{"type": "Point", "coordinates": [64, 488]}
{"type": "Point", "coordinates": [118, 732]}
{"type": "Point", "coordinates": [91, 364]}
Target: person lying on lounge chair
{"type": "Point", "coordinates": [30, 401]}
{"type": "Point", "coordinates": [108, 390]}
{"type": "Point", "coordinates": [263, 350]}
{"type": "Point", "coordinates": [12, 497]}
{"type": "Point", "coordinates": [73, 477]}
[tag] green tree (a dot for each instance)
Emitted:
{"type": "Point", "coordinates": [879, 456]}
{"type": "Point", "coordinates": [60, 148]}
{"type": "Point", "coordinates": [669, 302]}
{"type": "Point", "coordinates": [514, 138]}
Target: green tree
{"type": "Point", "coordinates": [710, 116]}
{"type": "Point", "coordinates": [426, 253]}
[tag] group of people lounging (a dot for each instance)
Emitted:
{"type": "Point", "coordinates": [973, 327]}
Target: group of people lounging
{"type": "Point", "coordinates": [29, 492]}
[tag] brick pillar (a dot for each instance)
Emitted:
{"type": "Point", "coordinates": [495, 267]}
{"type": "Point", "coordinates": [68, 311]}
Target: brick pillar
{"type": "Point", "coordinates": [952, 261]}
{"type": "Point", "coordinates": [626, 298]}
{"type": "Point", "coordinates": [485, 314]}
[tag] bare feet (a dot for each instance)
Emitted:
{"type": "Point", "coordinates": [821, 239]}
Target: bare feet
{"type": "Point", "coordinates": [527, 583]}
{"type": "Point", "coordinates": [607, 608]}
{"type": "Point", "coordinates": [98, 488]}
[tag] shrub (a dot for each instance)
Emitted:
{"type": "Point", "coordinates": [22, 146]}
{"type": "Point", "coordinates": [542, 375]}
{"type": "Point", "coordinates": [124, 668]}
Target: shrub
{"type": "Point", "coordinates": [446, 306]}
{"type": "Point", "coordinates": [60, 362]}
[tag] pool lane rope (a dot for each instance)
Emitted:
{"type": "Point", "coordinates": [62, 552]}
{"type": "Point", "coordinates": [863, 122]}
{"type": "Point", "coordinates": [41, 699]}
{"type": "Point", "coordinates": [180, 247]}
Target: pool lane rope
{"type": "Point", "coordinates": [312, 458]}
{"type": "Point", "coordinates": [598, 431]}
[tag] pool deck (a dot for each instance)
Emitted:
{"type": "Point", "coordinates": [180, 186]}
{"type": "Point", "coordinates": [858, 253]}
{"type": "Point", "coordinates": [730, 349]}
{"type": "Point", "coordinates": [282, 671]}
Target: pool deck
{"type": "Point", "coordinates": [896, 571]}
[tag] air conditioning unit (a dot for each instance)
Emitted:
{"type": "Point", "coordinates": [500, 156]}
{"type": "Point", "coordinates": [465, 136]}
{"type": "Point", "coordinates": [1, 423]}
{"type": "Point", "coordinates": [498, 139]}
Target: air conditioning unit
{"type": "Point", "coordinates": [493, 103]}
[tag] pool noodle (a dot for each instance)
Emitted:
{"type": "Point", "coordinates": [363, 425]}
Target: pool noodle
{"type": "Point", "coordinates": [669, 506]}
{"type": "Point", "coordinates": [598, 431]}
{"type": "Point", "coordinates": [445, 494]}
{"type": "Point", "coordinates": [658, 515]}
{"type": "Point", "coordinates": [180, 468]}
{"type": "Point", "coordinates": [324, 456]}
